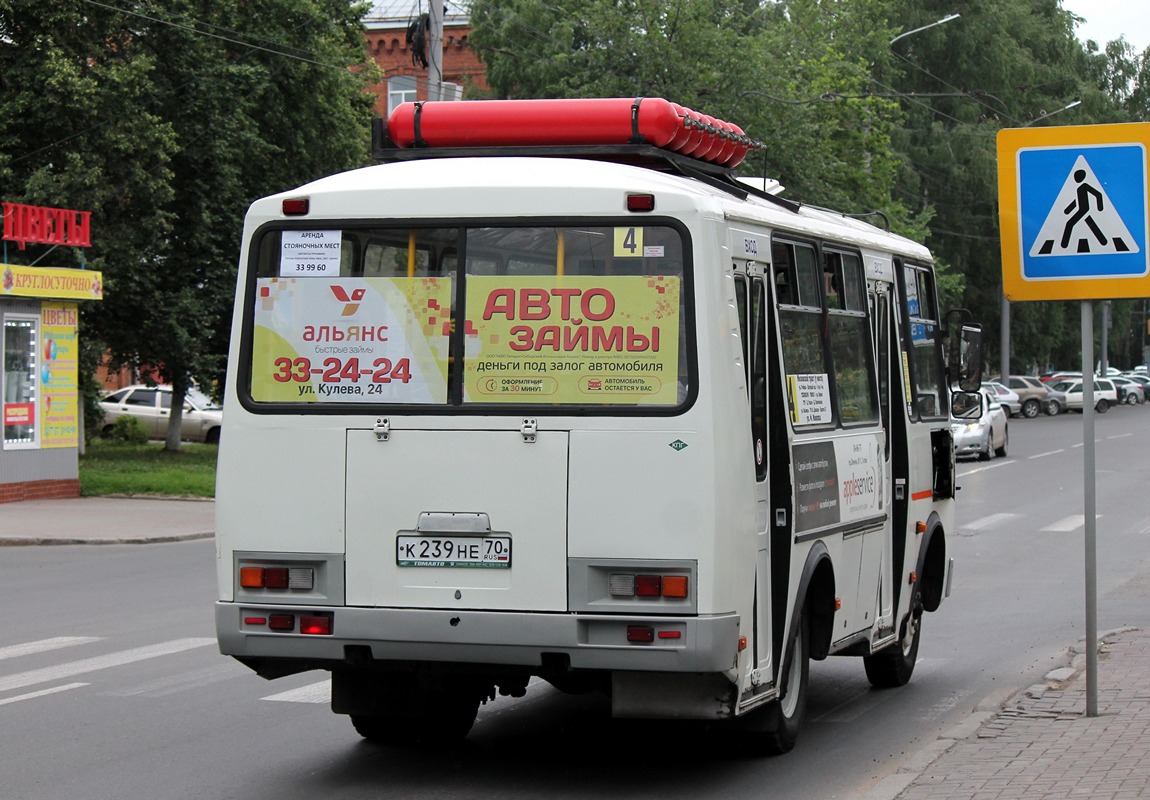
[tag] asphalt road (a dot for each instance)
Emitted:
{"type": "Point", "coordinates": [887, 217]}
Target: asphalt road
{"type": "Point", "coordinates": [111, 685]}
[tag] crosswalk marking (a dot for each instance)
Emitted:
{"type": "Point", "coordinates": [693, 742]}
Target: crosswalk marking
{"type": "Point", "coordinates": [41, 693]}
{"type": "Point", "coordinates": [1067, 524]}
{"type": "Point", "coordinates": [183, 681]}
{"type": "Point", "coordinates": [44, 645]}
{"type": "Point", "coordinates": [312, 693]}
{"type": "Point", "coordinates": [72, 668]}
{"type": "Point", "coordinates": [986, 522]}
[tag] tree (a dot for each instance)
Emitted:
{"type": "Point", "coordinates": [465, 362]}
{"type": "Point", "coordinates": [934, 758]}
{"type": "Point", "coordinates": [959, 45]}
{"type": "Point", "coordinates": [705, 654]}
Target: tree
{"type": "Point", "coordinates": [186, 115]}
{"type": "Point", "coordinates": [790, 74]}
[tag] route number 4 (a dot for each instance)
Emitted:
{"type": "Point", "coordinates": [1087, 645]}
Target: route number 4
{"type": "Point", "coordinates": [628, 242]}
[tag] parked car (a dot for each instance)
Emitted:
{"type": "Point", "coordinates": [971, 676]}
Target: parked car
{"type": "Point", "coordinates": [1055, 400]}
{"type": "Point", "coordinates": [979, 430]}
{"type": "Point", "coordinates": [1105, 394]}
{"type": "Point", "coordinates": [1130, 392]}
{"type": "Point", "coordinates": [1033, 394]}
{"type": "Point", "coordinates": [1007, 398]}
{"type": "Point", "coordinates": [152, 405]}
{"type": "Point", "coordinates": [1140, 378]}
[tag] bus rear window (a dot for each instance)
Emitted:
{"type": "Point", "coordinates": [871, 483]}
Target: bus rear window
{"type": "Point", "coordinates": [590, 315]}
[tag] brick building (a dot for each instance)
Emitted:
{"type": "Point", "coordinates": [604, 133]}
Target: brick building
{"type": "Point", "coordinates": [387, 26]}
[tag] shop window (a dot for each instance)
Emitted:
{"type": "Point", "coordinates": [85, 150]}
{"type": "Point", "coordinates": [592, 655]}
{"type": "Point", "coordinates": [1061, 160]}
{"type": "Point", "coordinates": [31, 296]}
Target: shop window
{"type": "Point", "coordinates": [21, 383]}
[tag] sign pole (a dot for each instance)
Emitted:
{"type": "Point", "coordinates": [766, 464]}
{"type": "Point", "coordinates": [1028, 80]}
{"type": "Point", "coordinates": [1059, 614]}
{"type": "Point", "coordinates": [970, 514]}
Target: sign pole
{"type": "Point", "coordinates": [1074, 220]}
{"type": "Point", "coordinates": [1089, 500]}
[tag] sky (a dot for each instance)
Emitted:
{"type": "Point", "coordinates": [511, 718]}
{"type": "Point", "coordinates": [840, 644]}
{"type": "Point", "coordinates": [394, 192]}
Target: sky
{"type": "Point", "coordinates": [1109, 19]}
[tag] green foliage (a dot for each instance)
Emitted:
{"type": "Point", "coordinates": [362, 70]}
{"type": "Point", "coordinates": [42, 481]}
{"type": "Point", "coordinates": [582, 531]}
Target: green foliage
{"type": "Point", "coordinates": [128, 430]}
{"type": "Point", "coordinates": [167, 125]}
{"type": "Point", "coordinates": [133, 469]}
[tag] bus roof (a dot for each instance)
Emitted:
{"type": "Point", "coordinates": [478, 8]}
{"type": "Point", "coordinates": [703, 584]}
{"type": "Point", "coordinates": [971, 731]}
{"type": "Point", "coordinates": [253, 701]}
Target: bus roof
{"type": "Point", "coordinates": [514, 186]}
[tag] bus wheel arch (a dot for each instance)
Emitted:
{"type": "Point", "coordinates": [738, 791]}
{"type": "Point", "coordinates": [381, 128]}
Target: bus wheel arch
{"type": "Point", "coordinates": [817, 601]}
{"type": "Point", "coordinates": [931, 567]}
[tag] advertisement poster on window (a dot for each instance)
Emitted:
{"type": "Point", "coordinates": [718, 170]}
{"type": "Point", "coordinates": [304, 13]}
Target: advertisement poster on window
{"type": "Point", "coordinates": [573, 339]}
{"type": "Point", "coordinates": [59, 363]}
{"type": "Point", "coordinates": [351, 340]}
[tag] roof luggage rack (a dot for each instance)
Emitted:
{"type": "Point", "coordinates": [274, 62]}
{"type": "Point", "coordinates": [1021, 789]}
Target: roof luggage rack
{"type": "Point", "coordinates": [647, 132]}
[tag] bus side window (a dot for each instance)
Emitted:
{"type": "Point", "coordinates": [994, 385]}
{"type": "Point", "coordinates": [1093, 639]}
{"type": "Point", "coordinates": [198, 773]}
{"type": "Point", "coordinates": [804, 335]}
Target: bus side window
{"type": "Point", "coordinates": [759, 378]}
{"type": "Point", "coordinates": [784, 275]}
{"type": "Point", "coordinates": [741, 305]}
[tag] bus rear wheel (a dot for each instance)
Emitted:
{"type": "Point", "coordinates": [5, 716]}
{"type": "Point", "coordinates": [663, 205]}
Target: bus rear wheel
{"type": "Point", "coordinates": [442, 721]}
{"type": "Point", "coordinates": [892, 666]}
{"type": "Point", "coordinates": [778, 724]}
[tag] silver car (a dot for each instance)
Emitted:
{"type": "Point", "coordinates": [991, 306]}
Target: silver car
{"type": "Point", "coordinates": [1008, 398]}
{"type": "Point", "coordinates": [979, 430]}
{"type": "Point", "coordinates": [152, 406]}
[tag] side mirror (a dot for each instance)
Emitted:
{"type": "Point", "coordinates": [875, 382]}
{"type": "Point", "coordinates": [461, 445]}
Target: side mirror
{"type": "Point", "coordinates": [966, 405]}
{"type": "Point", "coordinates": [964, 356]}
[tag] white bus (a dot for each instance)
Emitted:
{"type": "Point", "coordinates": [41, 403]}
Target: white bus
{"type": "Point", "coordinates": [594, 412]}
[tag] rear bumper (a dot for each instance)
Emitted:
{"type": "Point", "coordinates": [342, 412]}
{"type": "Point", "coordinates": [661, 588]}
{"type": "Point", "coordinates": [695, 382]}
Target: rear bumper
{"type": "Point", "coordinates": [495, 638]}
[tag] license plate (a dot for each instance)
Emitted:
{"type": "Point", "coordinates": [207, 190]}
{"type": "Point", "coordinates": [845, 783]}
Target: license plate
{"type": "Point", "coordinates": [485, 552]}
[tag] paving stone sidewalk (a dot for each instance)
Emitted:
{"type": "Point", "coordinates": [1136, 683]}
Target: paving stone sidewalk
{"type": "Point", "coordinates": [1042, 746]}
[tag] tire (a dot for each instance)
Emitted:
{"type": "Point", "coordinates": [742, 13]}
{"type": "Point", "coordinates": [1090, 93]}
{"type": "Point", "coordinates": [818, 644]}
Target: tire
{"type": "Point", "coordinates": [1131, 399]}
{"type": "Point", "coordinates": [443, 721]}
{"type": "Point", "coordinates": [1053, 408]}
{"type": "Point", "coordinates": [1000, 452]}
{"type": "Point", "coordinates": [776, 726]}
{"type": "Point", "coordinates": [892, 666]}
{"type": "Point", "coordinates": [213, 436]}
{"type": "Point", "coordinates": [1031, 408]}
{"type": "Point", "coordinates": [1102, 406]}
{"type": "Point", "coordinates": [986, 452]}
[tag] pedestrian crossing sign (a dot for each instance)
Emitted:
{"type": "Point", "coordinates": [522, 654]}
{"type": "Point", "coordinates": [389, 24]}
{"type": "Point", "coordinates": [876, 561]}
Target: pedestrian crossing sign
{"type": "Point", "coordinates": [1074, 213]}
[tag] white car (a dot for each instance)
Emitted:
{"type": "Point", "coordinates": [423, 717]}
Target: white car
{"type": "Point", "coordinates": [1007, 397]}
{"type": "Point", "coordinates": [1105, 394]}
{"type": "Point", "coordinates": [979, 430]}
{"type": "Point", "coordinates": [152, 406]}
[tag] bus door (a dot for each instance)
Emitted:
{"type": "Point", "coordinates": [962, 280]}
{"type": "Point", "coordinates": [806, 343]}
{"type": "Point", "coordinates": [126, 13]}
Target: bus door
{"type": "Point", "coordinates": [879, 274]}
{"type": "Point", "coordinates": [751, 251]}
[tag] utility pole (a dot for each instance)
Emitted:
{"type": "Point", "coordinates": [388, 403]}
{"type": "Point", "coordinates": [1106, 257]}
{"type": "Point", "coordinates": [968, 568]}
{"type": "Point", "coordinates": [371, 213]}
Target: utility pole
{"type": "Point", "coordinates": [435, 50]}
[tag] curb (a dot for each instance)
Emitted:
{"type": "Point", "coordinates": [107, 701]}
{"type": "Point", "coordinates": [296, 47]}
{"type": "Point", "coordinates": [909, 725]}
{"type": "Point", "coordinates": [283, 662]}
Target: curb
{"type": "Point", "coordinates": [167, 538]}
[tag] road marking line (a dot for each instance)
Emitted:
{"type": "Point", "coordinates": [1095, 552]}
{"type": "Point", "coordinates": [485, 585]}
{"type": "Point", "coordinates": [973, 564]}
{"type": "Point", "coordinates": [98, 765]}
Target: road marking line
{"type": "Point", "coordinates": [312, 693]}
{"type": "Point", "coordinates": [41, 693]}
{"type": "Point", "coordinates": [1051, 453]}
{"type": "Point", "coordinates": [1067, 524]}
{"type": "Point", "coordinates": [34, 676]}
{"type": "Point", "coordinates": [986, 522]}
{"type": "Point", "coordinates": [1119, 436]}
{"type": "Point", "coordinates": [44, 645]}
{"type": "Point", "coordinates": [983, 469]}
{"type": "Point", "coordinates": [184, 681]}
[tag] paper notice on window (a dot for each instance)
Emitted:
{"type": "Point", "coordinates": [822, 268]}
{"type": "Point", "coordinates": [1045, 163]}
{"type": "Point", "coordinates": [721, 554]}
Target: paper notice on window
{"type": "Point", "coordinates": [810, 399]}
{"type": "Point", "coordinates": [310, 253]}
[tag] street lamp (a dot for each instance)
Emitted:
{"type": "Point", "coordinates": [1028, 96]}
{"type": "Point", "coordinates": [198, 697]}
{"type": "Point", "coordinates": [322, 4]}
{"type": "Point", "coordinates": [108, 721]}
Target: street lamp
{"type": "Point", "coordinates": [947, 18]}
{"type": "Point", "coordinates": [1052, 113]}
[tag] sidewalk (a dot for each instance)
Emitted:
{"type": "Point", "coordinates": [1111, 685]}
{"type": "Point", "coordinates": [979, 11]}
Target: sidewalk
{"type": "Point", "coordinates": [1040, 745]}
{"type": "Point", "coordinates": [105, 520]}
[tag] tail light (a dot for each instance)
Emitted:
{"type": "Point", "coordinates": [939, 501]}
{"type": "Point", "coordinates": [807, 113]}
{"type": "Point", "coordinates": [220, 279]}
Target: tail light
{"type": "Point", "coordinates": [647, 585]}
{"type": "Point", "coordinates": [277, 578]}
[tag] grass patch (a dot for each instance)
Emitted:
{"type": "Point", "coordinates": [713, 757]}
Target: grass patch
{"type": "Point", "coordinates": [147, 469]}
